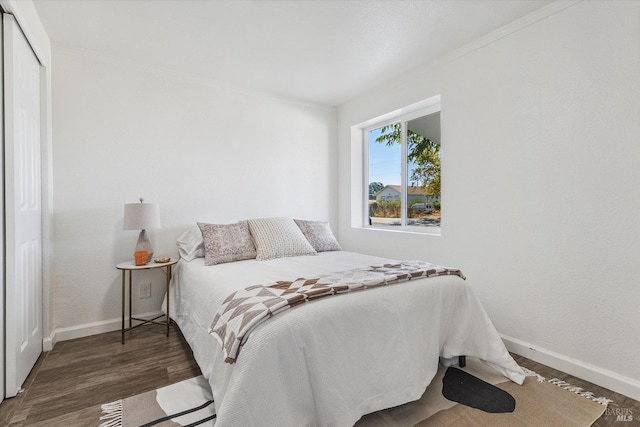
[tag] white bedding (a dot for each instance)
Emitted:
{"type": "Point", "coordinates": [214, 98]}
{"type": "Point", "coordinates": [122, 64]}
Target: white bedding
{"type": "Point", "coordinates": [328, 362]}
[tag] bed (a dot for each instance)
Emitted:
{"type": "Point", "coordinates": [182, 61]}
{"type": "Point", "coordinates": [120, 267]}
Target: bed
{"type": "Point", "coordinates": [333, 360]}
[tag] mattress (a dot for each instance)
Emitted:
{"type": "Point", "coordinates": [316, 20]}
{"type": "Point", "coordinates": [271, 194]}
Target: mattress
{"type": "Point", "coordinates": [330, 361]}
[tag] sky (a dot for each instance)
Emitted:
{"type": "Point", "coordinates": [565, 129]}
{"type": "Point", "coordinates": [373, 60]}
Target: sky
{"type": "Point", "coordinates": [384, 161]}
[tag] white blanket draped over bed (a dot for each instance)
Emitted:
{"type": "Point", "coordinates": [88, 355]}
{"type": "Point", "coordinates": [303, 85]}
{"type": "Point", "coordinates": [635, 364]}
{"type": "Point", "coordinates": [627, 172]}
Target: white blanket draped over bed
{"type": "Point", "coordinates": [244, 310]}
{"type": "Point", "coordinates": [330, 362]}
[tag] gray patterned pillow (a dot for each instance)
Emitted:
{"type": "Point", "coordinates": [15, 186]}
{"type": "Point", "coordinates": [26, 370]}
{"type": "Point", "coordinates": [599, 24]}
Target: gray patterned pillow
{"type": "Point", "coordinates": [319, 234]}
{"type": "Point", "coordinates": [226, 242]}
{"type": "Point", "coordinates": [278, 238]}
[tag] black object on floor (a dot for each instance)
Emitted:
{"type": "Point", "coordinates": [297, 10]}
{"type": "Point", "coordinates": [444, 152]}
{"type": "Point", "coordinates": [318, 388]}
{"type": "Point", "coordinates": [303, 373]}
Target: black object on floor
{"type": "Point", "coordinates": [459, 386]}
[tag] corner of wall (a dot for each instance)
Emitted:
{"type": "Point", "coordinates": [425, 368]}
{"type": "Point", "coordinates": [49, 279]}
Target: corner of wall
{"type": "Point", "coordinates": [49, 342]}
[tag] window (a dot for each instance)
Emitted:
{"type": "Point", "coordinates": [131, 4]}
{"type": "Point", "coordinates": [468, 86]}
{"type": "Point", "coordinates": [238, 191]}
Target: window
{"type": "Point", "coordinates": [402, 170]}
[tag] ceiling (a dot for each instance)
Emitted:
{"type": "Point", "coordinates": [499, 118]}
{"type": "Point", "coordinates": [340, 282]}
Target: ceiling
{"type": "Point", "coordinates": [324, 52]}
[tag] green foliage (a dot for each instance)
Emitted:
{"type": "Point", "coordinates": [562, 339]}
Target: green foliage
{"type": "Point", "coordinates": [374, 187]}
{"type": "Point", "coordinates": [389, 209]}
{"type": "Point", "coordinates": [422, 151]}
{"type": "Point", "coordinates": [436, 205]}
{"type": "Point", "coordinates": [393, 204]}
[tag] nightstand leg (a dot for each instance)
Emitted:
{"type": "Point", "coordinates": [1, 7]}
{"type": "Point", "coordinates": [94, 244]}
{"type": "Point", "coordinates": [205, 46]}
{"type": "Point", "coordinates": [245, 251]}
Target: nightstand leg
{"type": "Point", "coordinates": [130, 300]}
{"type": "Point", "coordinates": [168, 297]}
{"type": "Point", "coordinates": [122, 329]}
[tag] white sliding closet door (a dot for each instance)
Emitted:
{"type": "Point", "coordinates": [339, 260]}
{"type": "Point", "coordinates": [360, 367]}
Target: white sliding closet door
{"type": "Point", "coordinates": [23, 207]}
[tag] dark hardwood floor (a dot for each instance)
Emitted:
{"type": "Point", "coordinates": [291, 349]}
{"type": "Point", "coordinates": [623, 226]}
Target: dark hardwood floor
{"type": "Point", "coordinates": [69, 383]}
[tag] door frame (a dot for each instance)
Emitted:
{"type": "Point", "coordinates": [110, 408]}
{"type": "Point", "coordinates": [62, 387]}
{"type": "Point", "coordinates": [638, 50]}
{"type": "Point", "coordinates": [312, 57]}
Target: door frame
{"type": "Point", "coordinates": [2, 276]}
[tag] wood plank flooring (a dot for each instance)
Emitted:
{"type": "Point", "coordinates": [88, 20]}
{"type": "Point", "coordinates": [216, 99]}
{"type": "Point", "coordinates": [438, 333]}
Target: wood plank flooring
{"type": "Point", "coordinates": [68, 384]}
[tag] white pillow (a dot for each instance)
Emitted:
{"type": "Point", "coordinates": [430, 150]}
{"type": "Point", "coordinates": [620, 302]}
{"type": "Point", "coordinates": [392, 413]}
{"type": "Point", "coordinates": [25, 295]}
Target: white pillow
{"type": "Point", "coordinates": [319, 234]}
{"type": "Point", "coordinates": [278, 238]}
{"type": "Point", "coordinates": [191, 244]}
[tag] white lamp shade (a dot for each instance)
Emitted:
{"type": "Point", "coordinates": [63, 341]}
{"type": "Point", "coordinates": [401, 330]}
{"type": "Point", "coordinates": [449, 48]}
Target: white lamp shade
{"type": "Point", "coordinates": [141, 216]}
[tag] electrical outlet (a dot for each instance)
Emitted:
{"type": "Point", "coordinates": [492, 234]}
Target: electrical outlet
{"type": "Point", "coordinates": [144, 291]}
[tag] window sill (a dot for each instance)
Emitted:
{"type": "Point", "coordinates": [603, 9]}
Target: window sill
{"type": "Point", "coordinates": [428, 231]}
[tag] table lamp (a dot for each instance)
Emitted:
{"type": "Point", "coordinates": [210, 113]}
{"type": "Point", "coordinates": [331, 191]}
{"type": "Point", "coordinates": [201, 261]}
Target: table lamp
{"type": "Point", "coordinates": [140, 216]}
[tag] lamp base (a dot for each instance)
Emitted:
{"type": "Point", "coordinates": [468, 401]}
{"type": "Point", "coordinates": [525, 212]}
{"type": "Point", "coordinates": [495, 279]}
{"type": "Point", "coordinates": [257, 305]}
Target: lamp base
{"type": "Point", "coordinates": [144, 244]}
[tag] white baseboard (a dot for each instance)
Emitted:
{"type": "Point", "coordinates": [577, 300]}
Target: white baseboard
{"type": "Point", "coordinates": [88, 329]}
{"type": "Point", "coordinates": [594, 374]}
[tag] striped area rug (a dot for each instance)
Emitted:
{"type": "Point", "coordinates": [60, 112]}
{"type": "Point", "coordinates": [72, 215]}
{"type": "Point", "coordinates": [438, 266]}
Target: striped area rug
{"type": "Point", "coordinates": [487, 399]}
{"type": "Point", "coordinates": [187, 403]}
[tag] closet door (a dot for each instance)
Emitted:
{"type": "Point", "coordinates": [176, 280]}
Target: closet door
{"type": "Point", "coordinates": [23, 208]}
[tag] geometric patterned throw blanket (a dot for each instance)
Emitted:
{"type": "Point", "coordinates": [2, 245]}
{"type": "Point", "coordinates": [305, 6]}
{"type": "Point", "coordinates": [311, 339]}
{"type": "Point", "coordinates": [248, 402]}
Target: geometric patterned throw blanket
{"type": "Point", "coordinates": [245, 309]}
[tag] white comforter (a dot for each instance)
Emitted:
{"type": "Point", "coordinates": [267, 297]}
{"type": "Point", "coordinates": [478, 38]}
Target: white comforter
{"type": "Point", "coordinates": [328, 362]}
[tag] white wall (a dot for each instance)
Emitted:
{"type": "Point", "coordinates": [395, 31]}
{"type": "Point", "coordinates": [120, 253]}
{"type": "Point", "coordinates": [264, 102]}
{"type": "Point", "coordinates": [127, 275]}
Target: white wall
{"type": "Point", "coordinates": [202, 151]}
{"type": "Point", "coordinates": [540, 184]}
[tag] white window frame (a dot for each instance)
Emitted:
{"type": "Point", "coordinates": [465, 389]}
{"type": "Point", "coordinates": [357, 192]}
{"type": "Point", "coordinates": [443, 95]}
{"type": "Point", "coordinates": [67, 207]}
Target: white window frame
{"type": "Point", "coordinates": [423, 108]}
